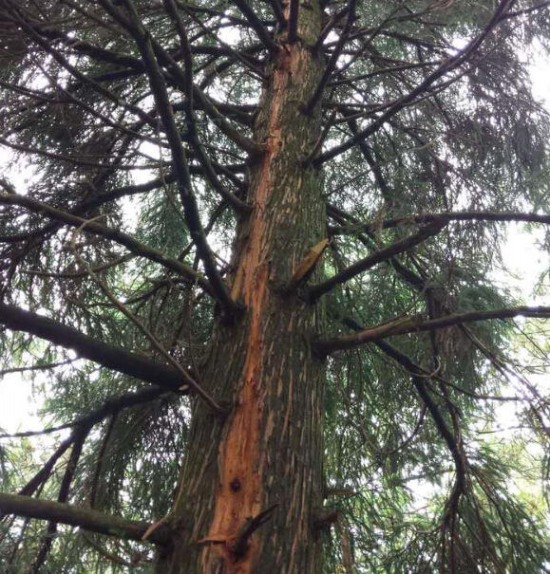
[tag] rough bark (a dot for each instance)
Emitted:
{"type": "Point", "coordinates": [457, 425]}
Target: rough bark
{"type": "Point", "coordinates": [267, 454]}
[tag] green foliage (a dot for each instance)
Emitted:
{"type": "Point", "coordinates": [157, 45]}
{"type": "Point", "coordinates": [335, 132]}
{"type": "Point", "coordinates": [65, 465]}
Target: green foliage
{"type": "Point", "coordinates": [80, 119]}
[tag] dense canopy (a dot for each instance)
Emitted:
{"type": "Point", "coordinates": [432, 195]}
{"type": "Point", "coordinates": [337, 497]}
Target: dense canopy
{"type": "Point", "coordinates": [252, 256]}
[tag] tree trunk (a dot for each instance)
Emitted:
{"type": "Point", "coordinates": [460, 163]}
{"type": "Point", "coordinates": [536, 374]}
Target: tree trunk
{"type": "Point", "coordinates": [267, 454]}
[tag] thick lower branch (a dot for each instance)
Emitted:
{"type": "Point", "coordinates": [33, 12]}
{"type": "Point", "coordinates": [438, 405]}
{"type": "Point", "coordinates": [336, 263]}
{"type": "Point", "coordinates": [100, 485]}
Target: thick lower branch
{"type": "Point", "coordinates": [114, 358]}
{"type": "Point", "coordinates": [91, 520]}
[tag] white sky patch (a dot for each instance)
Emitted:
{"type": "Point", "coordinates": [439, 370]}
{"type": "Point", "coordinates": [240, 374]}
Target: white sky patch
{"type": "Point", "coordinates": [526, 263]}
{"type": "Point", "coordinates": [18, 408]}
{"type": "Point", "coordinates": [539, 67]}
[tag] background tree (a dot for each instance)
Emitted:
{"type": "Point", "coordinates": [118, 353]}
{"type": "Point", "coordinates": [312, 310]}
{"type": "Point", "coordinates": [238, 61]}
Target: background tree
{"type": "Point", "coordinates": [250, 265]}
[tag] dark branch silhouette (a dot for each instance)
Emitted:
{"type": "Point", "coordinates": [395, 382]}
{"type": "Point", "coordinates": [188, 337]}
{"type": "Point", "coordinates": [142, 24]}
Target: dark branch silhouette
{"type": "Point", "coordinates": [315, 291]}
{"type": "Point", "coordinates": [118, 236]}
{"type": "Point", "coordinates": [118, 359]}
{"type": "Point", "coordinates": [87, 519]}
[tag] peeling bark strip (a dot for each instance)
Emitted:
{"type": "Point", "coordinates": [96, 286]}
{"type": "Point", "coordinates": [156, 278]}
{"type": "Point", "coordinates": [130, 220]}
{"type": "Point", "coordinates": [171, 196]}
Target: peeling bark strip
{"type": "Point", "coordinates": [265, 459]}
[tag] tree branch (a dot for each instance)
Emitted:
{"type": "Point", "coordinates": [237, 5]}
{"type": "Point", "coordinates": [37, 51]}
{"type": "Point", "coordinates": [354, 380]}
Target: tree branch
{"type": "Point", "coordinates": [50, 532]}
{"type": "Point", "coordinates": [84, 518]}
{"type": "Point", "coordinates": [228, 171]}
{"type": "Point", "coordinates": [453, 442]}
{"type": "Point", "coordinates": [120, 237]}
{"type": "Point", "coordinates": [315, 291]}
{"type": "Point", "coordinates": [160, 94]}
{"type": "Point", "coordinates": [256, 24]}
{"type": "Point", "coordinates": [38, 480]}
{"type": "Point", "coordinates": [277, 11]}
{"type": "Point", "coordinates": [417, 324]}
{"type": "Point", "coordinates": [418, 378]}
{"type": "Point", "coordinates": [121, 360]}
{"type": "Point", "coordinates": [293, 14]}
{"type": "Point", "coordinates": [424, 218]}
{"type": "Point", "coordinates": [110, 407]}
{"type": "Point", "coordinates": [331, 65]}
{"type": "Point", "coordinates": [191, 134]}
{"type": "Point", "coordinates": [447, 66]}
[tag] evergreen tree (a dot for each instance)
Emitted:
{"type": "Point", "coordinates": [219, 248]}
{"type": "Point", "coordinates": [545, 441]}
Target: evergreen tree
{"type": "Point", "coordinates": [247, 254]}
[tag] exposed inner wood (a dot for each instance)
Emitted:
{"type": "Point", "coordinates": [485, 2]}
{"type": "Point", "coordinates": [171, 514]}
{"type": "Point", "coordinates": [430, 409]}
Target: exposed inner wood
{"type": "Point", "coordinates": [240, 452]}
{"type": "Point", "coordinates": [265, 459]}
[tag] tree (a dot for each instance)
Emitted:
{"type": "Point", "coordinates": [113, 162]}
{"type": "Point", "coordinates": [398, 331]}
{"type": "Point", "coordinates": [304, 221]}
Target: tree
{"type": "Point", "coordinates": [251, 267]}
